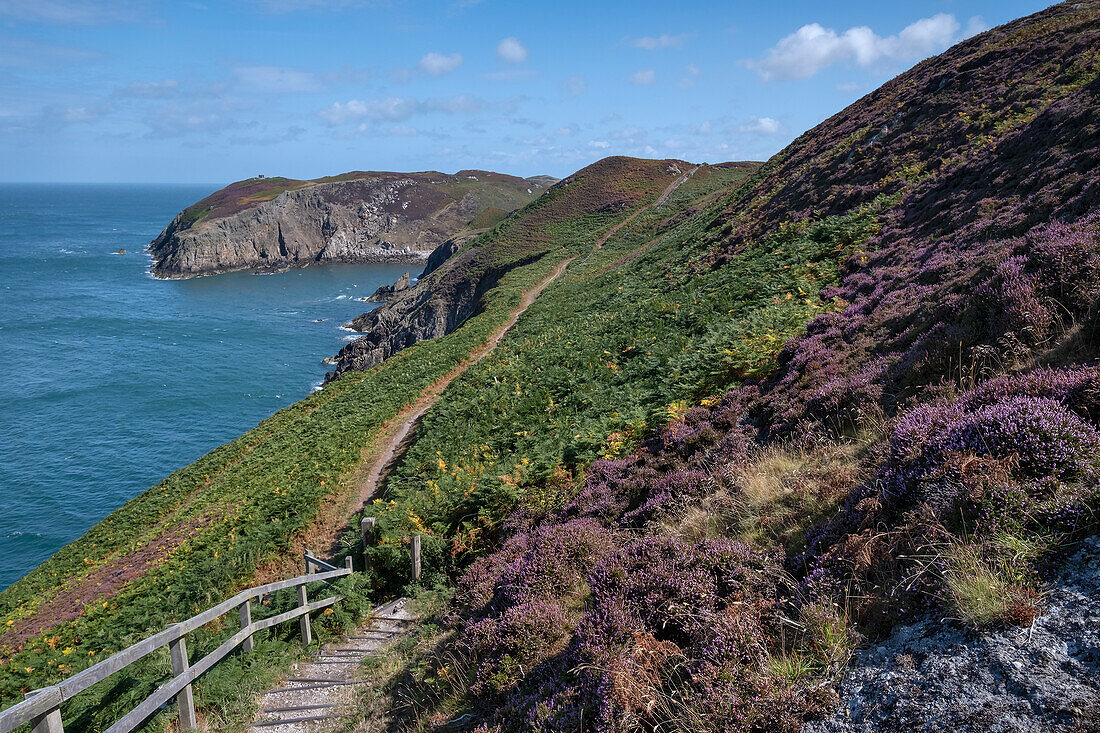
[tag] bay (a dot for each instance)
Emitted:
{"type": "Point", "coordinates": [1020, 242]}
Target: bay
{"type": "Point", "coordinates": [111, 379]}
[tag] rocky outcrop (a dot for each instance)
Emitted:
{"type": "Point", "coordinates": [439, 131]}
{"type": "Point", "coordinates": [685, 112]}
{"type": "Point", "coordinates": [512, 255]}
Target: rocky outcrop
{"type": "Point", "coordinates": [433, 308]}
{"type": "Point", "coordinates": [455, 277]}
{"type": "Point", "coordinates": [385, 293]}
{"type": "Point", "coordinates": [440, 254]}
{"type": "Point", "coordinates": [935, 676]}
{"type": "Point", "coordinates": [382, 217]}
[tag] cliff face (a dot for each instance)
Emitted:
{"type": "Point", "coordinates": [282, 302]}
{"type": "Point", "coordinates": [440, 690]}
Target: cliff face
{"type": "Point", "coordinates": [363, 217]}
{"type": "Point", "coordinates": [452, 284]}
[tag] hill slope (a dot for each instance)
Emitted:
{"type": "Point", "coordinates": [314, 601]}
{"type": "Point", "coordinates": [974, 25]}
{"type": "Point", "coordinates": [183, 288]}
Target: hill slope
{"type": "Point", "coordinates": [920, 458]}
{"type": "Point", "coordinates": [448, 295]}
{"type": "Point", "coordinates": [245, 512]}
{"type": "Point", "coordinates": [852, 398]}
{"type": "Point", "coordinates": [364, 216]}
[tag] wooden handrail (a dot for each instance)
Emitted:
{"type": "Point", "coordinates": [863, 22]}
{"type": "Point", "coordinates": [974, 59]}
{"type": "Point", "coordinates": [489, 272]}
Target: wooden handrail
{"type": "Point", "coordinates": [41, 708]}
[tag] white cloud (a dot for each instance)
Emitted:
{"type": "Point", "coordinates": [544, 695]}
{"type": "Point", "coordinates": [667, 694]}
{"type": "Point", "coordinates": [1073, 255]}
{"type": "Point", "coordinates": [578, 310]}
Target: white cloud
{"type": "Point", "coordinates": [812, 47]}
{"type": "Point", "coordinates": [290, 6]}
{"type": "Point", "coordinates": [69, 115]}
{"type": "Point", "coordinates": [574, 86]}
{"type": "Point", "coordinates": [174, 120]}
{"type": "Point", "coordinates": [66, 12]}
{"type": "Point", "coordinates": [690, 74]}
{"type": "Point", "coordinates": [567, 131]}
{"type": "Point", "coordinates": [393, 108]}
{"type": "Point", "coordinates": [397, 109]}
{"type": "Point", "coordinates": [277, 79]}
{"type": "Point", "coordinates": [512, 51]}
{"type": "Point", "coordinates": [643, 78]}
{"type": "Point", "coordinates": [52, 117]}
{"type": "Point", "coordinates": [628, 133]}
{"type": "Point", "coordinates": [436, 64]}
{"type": "Point", "coordinates": [25, 54]}
{"type": "Point", "coordinates": [974, 26]}
{"type": "Point", "coordinates": [511, 75]}
{"type": "Point", "coordinates": [149, 89]}
{"type": "Point", "coordinates": [599, 144]}
{"type": "Point", "coordinates": [761, 126]}
{"type": "Point", "coordinates": [652, 43]}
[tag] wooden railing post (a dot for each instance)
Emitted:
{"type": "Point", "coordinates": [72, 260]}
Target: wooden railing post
{"type": "Point", "coordinates": [48, 722]}
{"type": "Point", "coordinates": [414, 545]}
{"type": "Point", "coordinates": [348, 564]}
{"type": "Point", "coordinates": [303, 620]}
{"type": "Point", "coordinates": [185, 700]}
{"type": "Point", "coordinates": [368, 540]}
{"type": "Point", "coordinates": [246, 621]}
{"type": "Point", "coordinates": [309, 566]}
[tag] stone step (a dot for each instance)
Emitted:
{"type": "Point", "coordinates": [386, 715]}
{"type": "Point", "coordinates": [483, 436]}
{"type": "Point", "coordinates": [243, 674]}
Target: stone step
{"type": "Point", "coordinates": [299, 708]}
{"type": "Point", "coordinates": [291, 721]}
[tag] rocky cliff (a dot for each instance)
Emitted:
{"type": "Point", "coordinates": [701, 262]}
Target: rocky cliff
{"type": "Point", "coordinates": [276, 223]}
{"type": "Point", "coordinates": [456, 276]}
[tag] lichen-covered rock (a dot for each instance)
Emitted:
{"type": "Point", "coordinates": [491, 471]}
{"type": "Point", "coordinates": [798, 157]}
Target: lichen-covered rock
{"type": "Point", "coordinates": [935, 676]}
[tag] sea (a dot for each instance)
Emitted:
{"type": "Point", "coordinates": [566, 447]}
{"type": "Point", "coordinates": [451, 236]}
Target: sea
{"type": "Point", "coordinates": [111, 379]}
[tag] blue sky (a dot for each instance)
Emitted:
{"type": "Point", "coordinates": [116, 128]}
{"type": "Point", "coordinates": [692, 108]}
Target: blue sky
{"type": "Point", "coordinates": [211, 92]}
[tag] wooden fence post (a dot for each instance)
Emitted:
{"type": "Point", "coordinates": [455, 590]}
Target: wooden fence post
{"type": "Point", "coordinates": [348, 564]}
{"type": "Point", "coordinates": [303, 620]}
{"type": "Point", "coordinates": [415, 547]}
{"type": "Point", "coordinates": [48, 722]}
{"type": "Point", "coordinates": [185, 700]}
{"type": "Point", "coordinates": [367, 526]}
{"type": "Point", "coordinates": [309, 566]}
{"type": "Point", "coordinates": [246, 621]}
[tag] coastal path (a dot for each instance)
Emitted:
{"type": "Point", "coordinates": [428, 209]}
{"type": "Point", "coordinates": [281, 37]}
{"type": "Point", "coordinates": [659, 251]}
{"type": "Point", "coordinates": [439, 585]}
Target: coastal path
{"type": "Point", "coordinates": [318, 693]}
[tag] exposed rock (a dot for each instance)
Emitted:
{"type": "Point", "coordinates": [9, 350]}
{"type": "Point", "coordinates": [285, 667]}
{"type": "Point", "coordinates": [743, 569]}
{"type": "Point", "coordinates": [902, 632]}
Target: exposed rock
{"type": "Point", "coordinates": [386, 292]}
{"type": "Point", "coordinates": [120, 252]}
{"type": "Point", "coordinates": [935, 676]}
{"type": "Point", "coordinates": [433, 308]}
{"type": "Point", "coordinates": [440, 254]}
{"type": "Point", "coordinates": [450, 288]}
{"type": "Point", "coordinates": [370, 217]}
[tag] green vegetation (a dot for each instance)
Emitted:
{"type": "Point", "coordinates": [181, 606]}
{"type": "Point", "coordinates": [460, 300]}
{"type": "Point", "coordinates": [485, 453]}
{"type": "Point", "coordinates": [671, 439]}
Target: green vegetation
{"type": "Point", "coordinates": [199, 536]}
{"type": "Point", "coordinates": [605, 356]}
{"type": "Point", "coordinates": [490, 216]}
{"type": "Point", "coordinates": [498, 193]}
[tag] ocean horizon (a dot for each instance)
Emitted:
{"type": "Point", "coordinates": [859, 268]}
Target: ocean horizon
{"type": "Point", "coordinates": [115, 379]}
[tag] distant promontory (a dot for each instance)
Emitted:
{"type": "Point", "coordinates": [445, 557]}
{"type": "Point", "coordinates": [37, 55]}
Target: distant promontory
{"type": "Point", "coordinates": [364, 216]}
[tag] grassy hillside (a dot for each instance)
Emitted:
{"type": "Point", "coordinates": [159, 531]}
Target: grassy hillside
{"type": "Point", "coordinates": [202, 533]}
{"type": "Point", "coordinates": [859, 389]}
{"type": "Point", "coordinates": [496, 189]}
{"type": "Point", "coordinates": [780, 414]}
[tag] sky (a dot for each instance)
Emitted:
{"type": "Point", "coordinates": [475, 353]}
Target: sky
{"type": "Point", "coordinates": [213, 92]}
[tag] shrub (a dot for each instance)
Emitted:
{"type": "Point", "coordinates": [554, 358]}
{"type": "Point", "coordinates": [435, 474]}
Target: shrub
{"type": "Point", "coordinates": [984, 591]}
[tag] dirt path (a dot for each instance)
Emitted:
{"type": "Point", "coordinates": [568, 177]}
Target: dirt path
{"type": "Point", "coordinates": [403, 423]}
{"type": "Point", "coordinates": [397, 430]}
{"type": "Point", "coordinates": [319, 691]}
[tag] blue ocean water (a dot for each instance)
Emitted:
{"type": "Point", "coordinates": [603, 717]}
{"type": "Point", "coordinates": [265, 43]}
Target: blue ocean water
{"type": "Point", "coordinates": [110, 379]}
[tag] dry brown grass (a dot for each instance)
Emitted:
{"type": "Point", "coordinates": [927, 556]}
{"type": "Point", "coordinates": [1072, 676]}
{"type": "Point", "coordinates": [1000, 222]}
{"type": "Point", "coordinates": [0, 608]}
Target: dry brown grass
{"type": "Point", "coordinates": [778, 495]}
